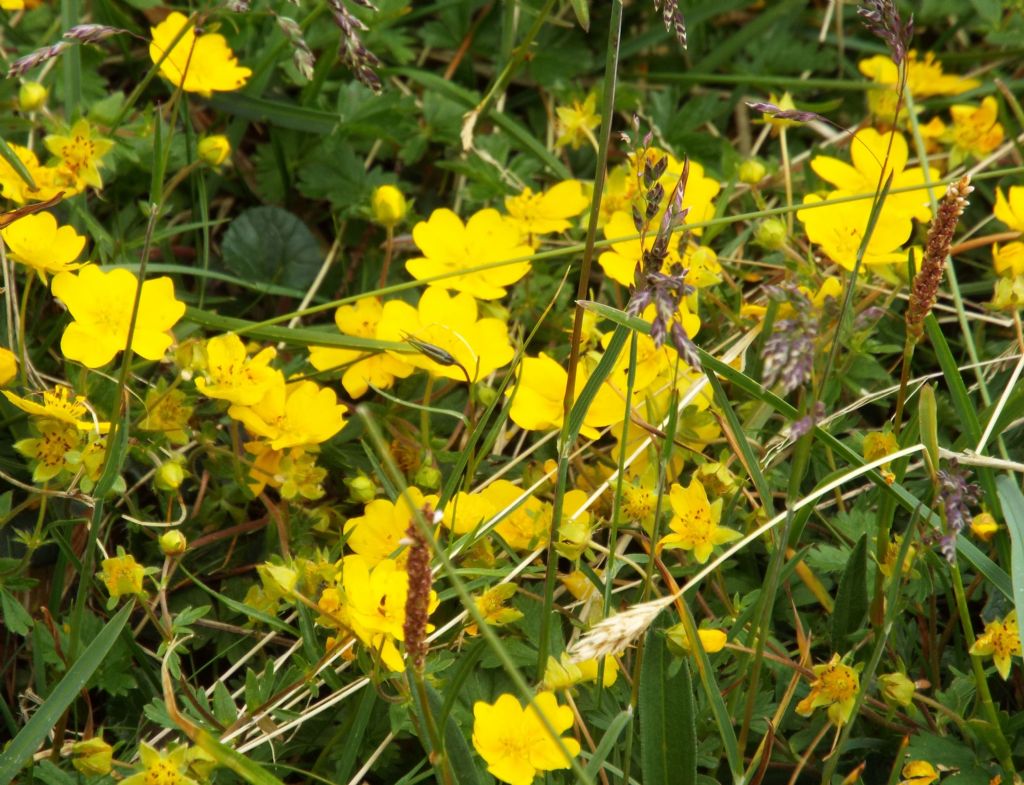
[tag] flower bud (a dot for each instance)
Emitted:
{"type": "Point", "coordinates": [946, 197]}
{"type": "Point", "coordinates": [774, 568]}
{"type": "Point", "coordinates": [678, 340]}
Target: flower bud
{"type": "Point", "coordinates": [278, 581]}
{"type": "Point", "coordinates": [897, 689]}
{"type": "Point", "coordinates": [214, 150]}
{"type": "Point", "coordinates": [388, 206]}
{"type": "Point", "coordinates": [679, 643]}
{"type": "Point", "coordinates": [361, 489]}
{"type": "Point", "coordinates": [752, 171]}
{"type": "Point", "coordinates": [428, 477]}
{"type": "Point", "coordinates": [92, 756]}
{"type": "Point", "coordinates": [31, 97]}
{"type": "Point", "coordinates": [770, 234]}
{"type": "Point", "coordinates": [173, 543]}
{"type": "Point", "coordinates": [984, 526]}
{"type": "Point", "coordinates": [170, 475]}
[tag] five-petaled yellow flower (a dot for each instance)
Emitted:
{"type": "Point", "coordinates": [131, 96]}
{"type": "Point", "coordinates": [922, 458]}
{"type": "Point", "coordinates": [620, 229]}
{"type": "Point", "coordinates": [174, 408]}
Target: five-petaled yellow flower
{"type": "Point", "coordinates": [1000, 641]}
{"type": "Point", "coordinates": [122, 575]}
{"type": "Point", "coordinates": [546, 212]}
{"type": "Point", "coordinates": [101, 304]}
{"type": "Point", "coordinates": [835, 686]}
{"type": "Point", "coordinates": [694, 522]}
{"type": "Point", "coordinates": [161, 768]}
{"type": "Point", "coordinates": [38, 242]}
{"type": "Point", "coordinates": [838, 229]}
{"type": "Point", "coordinates": [514, 742]}
{"type": "Point", "coordinates": [576, 123]}
{"type": "Point", "coordinates": [80, 156]}
{"type": "Point", "coordinates": [201, 64]}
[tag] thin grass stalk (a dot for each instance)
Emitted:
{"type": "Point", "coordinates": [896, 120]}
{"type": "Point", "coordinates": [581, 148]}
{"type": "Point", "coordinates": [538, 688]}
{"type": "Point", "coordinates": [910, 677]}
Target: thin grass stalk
{"type": "Point", "coordinates": [611, 67]}
{"type": "Point", "coordinates": [458, 585]}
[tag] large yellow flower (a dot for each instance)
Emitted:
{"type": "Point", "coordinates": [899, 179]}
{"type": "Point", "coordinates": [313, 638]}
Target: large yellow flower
{"type": "Point", "coordinates": [378, 532]}
{"type": "Point", "coordinates": [449, 247]}
{"type": "Point", "coordinates": [8, 365]}
{"type": "Point", "coordinates": [526, 526]}
{"type": "Point", "coordinates": [300, 414]}
{"type": "Point", "coordinates": [514, 742]}
{"type": "Point", "coordinates": [233, 376]}
{"type": "Point", "coordinates": [101, 304]}
{"type": "Point", "coordinates": [49, 181]}
{"type": "Point", "coordinates": [197, 64]}
{"type": "Point", "coordinates": [361, 368]}
{"type": "Point", "coordinates": [924, 78]}
{"type": "Point", "coordinates": [80, 155]}
{"type": "Point", "coordinates": [546, 212]}
{"type": "Point", "coordinates": [1000, 641]}
{"type": "Point", "coordinates": [867, 152]}
{"type": "Point", "coordinates": [469, 347]}
{"type": "Point", "coordinates": [695, 522]}
{"type": "Point", "coordinates": [1010, 207]}
{"type": "Point", "coordinates": [839, 230]}
{"type": "Point", "coordinates": [38, 242]}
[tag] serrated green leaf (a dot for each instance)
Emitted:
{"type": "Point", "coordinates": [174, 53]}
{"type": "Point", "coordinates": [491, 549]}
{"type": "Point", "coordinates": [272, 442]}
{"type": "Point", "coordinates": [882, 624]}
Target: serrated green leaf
{"type": "Point", "coordinates": [852, 596]}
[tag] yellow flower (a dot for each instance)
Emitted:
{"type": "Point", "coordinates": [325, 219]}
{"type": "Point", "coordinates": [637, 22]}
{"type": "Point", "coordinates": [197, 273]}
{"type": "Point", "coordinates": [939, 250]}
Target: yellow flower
{"type": "Point", "coordinates": [214, 150]}
{"type": "Point", "coordinates": [563, 673]}
{"type": "Point", "coordinates": [620, 262]}
{"type": "Point", "coordinates": [293, 415]}
{"type": "Point", "coordinates": [233, 376]}
{"type": "Point", "coordinates": [547, 212]}
{"type": "Point", "coordinates": [8, 366]}
{"type": "Point", "coordinates": [492, 607]}
{"type": "Point", "coordinates": [700, 193]}
{"type": "Point", "coordinates": [538, 401]}
{"type": "Point", "coordinates": [467, 511]}
{"type": "Point", "coordinates": [984, 526]}
{"type": "Point", "coordinates": [202, 64]}
{"type": "Point", "coordinates": [38, 242]}
{"type": "Point", "coordinates": [92, 756]}
{"type": "Point", "coordinates": [101, 305]}
{"type": "Point", "coordinates": [377, 533]}
{"type": "Point", "coordinates": [924, 79]}
{"type": "Point", "coordinates": [785, 103]}
{"type": "Point", "coordinates": [525, 527]}
{"type": "Point", "coordinates": [388, 207]}
{"type": "Point", "coordinates": [477, 347]}
{"type": "Point", "coordinates": [161, 768]}
{"type": "Point", "coordinates": [694, 522]}
{"type": "Point", "coordinates": [60, 404]}
{"type": "Point", "coordinates": [12, 5]}
{"type": "Point", "coordinates": [575, 529]}
{"type": "Point", "coordinates": [918, 772]}
{"type": "Point", "coordinates": [514, 742]}
{"type": "Point", "coordinates": [711, 640]}
{"type": "Point", "coordinates": [48, 181]}
{"type": "Point", "coordinates": [836, 686]}
{"type": "Point", "coordinates": [375, 605]}
{"type": "Point", "coordinates": [122, 575]}
{"type": "Point", "coordinates": [1010, 209]}
{"type": "Point", "coordinates": [51, 450]}
{"type": "Point", "coordinates": [1001, 641]}
{"type": "Point", "coordinates": [576, 123]}
{"type": "Point", "coordinates": [449, 247]}
{"type": "Point", "coordinates": [976, 130]}
{"type": "Point", "coordinates": [80, 153]}
{"type": "Point", "coordinates": [363, 369]}
{"type": "Point", "coordinates": [867, 152]}
{"type": "Point", "coordinates": [167, 411]}
{"type": "Point", "coordinates": [839, 229]}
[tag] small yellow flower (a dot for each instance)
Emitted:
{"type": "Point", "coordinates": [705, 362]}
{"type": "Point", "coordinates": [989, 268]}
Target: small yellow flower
{"type": "Point", "coordinates": [214, 150]}
{"type": "Point", "coordinates": [467, 511]}
{"type": "Point", "coordinates": [563, 673]}
{"type": "Point", "coordinates": [122, 575]}
{"type": "Point", "coordinates": [918, 772]}
{"type": "Point", "coordinates": [514, 742]}
{"type": "Point", "coordinates": [984, 526]}
{"type": "Point", "coordinates": [576, 123]}
{"type": "Point", "coordinates": [785, 103]}
{"type": "Point", "coordinates": [38, 242]}
{"type": "Point", "coordinates": [835, 686]}
{"type": "Point", "coordinates": [976, 130]}
{"type": "Point", "coordinates": [525, 527]}
{"type": "Point", "coordinates": [492, 606]}
{"type": "Point", "coordinates": [388, 206]}
{"type": "Point", "coordinates": [477, 347]}
{"type": "Point", "coordinates": [839, 230]}
{"type": "Point", "coordinates": [80, 153]}
{"type": "Point", "coordinates": [1001, 641]}
{"type": "Point", "coordinates": [92, 756]}
{"type": "Point", "coordinates": [51, 450]}
{"type": "Point", "coordinates": [694, 524]}
{"type": "Point", "coordinates": [233, 376]}
{"type": "Point", "coordinates": [924, 79]}
{"type": "Point", "coordinates": [8, 366]}
{"type": "Point", "coordinates": [449, 247]}
{"type": "Point", "coordinates": [161, 768]}
{"type": "Point", "coordinates": [543, 213]}
{"type": "Point", "coordinates": [101, 305]}
{"type": "Point", "coordinates": [197, 64]}
{"type": "Point", "coordinates": [60, 404]}
{"type": "Point", "coordinates": [361, 369]}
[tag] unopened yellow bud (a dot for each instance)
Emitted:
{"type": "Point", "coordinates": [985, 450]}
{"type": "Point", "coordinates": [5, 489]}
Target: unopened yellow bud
{"type": "Point", "coordinates": [214, 150]}
{"type": "Point", "coordinates": [92, 756]}
{"type": "Point", "coordinates": [679, 642]}
{"type": "Point", "coordinates": [173, 543]}
{"type": "Point", "coordinates": [984, 526]}
{"type": "Point", "coordinates": [278, 581]}
{"type": "Point", "coordinates": [897, 689]}
{"type": "Point", "coordinates": [32, 96]}
{"type": "Point", "coordinates": [752, 171]}
{"type": "Point", "coordinates": [388, 206]}
{"type": "Point", "coordinates": [428, 477]}
{"type": "Point", "coordinates": [170, 475]}
{"type": "Point", "coordinates": [361, 489]}
{"type": "Point", "coordinates": [770, 234]}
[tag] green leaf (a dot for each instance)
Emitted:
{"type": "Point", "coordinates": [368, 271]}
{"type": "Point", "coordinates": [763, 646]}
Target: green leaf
{"type": "Point", "coordinates": [622, 720]}
{"type": "Point", "coordinates": [15, 617]}
{"type": "Point", "coordinates": [593, 386]}
{"type": "Point", "coordinates": [457, 757]}
{"type": "Point", "coordinates": [1013, 508]}
{"type": "Point", "coordinates": [272, 245]}
{"type": "Point", "coordinates": [582, 10]}
{"type": "Point", "coordinates": [852, 596]}
{"type": "Point", "coordinates": [48, 715]}
{"type": "Point", "coordinates": [668, 729]}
